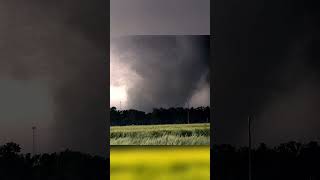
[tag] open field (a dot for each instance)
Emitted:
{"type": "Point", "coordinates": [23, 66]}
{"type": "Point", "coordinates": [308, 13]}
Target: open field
{"type": "Point", "coordinates": [160, 163]}
{"type": "Point", "coordinates": [172, 134]}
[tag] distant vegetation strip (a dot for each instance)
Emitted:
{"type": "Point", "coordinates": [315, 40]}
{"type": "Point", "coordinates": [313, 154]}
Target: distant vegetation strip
{"type": "Point", "coordinates": [173, 115]}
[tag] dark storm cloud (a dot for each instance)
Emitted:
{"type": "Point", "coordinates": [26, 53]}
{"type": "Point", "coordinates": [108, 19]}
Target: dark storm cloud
{"type": "Point", "coordinates": [165, 17]}
{"type": "Point", "coordinates": [62, 43]}
{"type": "Point", "coordinates": [267, 64]}
{"type": "Point", "coordinates": [168, 68]}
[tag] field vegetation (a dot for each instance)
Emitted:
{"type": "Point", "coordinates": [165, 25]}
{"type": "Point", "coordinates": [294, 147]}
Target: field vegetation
{"type": "Point", "coordinates": [172, 134]}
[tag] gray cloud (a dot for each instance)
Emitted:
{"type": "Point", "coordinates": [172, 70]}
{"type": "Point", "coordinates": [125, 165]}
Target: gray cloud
{"type": "Point", "coordinates": [165, 17]}
{"type": "Point", "coordinates": [57, 51]}
{"type": "Point", "coordinates": [266, 65]}
{"type": "Point", "coordinates": [168, 69]}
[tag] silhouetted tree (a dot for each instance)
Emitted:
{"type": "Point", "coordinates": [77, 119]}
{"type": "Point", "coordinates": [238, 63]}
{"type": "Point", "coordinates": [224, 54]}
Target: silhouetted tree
{"type": "Point", "coordinates": [10, 149]}
{"type": "Point", "coordinates": [66, 165]}
{"type": "Point", "coordinates": [172, 115]}
{"type": "Point", "coordinates": [292, 160]}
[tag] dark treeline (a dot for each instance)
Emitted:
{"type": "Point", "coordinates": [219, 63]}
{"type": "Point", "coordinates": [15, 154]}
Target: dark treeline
{"type": "Point", "coordinates": [66, 165]}
{"type": "Point", "coordinates": [288, 161]}
{"type": "Point", "coordinates": [171, 115]}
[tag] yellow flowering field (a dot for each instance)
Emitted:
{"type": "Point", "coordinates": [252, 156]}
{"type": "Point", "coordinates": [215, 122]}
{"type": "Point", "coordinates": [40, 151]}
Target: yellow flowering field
{"type": "Point", "coordinates": [160, 162]}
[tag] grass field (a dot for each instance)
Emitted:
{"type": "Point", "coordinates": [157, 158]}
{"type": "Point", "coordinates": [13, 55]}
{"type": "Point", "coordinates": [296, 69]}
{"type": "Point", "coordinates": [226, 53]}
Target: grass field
{"type": "Point", "coordinates": [160, 163]}
{"type": "Point", "coordinates": [173, 134]}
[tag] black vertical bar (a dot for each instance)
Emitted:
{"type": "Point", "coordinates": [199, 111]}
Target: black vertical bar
{"type": "Point", "coordinates": [249, 130]}
{"type": "Point", "coordinates": [212, 87]}
{"type": "Point", "coordinates": [107, 73]}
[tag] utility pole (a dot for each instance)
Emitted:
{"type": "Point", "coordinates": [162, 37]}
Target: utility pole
{"type": "Point", "coordinates": [33, 140]}
{"type": "Point", "coordinates": [249, 155]}
{"type": "Point", "coordinates": [188, 111]}
{"type": "Point", "coordinates": [120, 105]}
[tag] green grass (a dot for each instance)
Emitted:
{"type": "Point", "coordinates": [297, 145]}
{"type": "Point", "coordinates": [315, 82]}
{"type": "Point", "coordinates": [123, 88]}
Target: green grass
{"type": "Point", "coordinates": [173, 134]}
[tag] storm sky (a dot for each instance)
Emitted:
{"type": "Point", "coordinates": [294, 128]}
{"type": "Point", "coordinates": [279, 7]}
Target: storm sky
{"type": "Point", "coordinates": [149, 71]}
{"type": "Point", "coordinates": [266, 64]}
{"type": "Point", "coordinates": [159, 71]}
{"type": "Point", "coordinates": [154, 17]}
{"type": "Point", "coordinates": [53, 60]}
{"type": "Point", "coordinates": [54, 64]}
{"type": "Point", "coordinates": [53, 74]}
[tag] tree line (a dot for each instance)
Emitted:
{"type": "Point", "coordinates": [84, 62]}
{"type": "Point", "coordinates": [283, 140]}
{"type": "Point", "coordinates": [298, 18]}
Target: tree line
{"type": "Point", "coordinates": [66, 165]}
{"type": "Point", "coordinates": [173, 115]}
{"type": "Point", "coordinates": [292, 161]}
